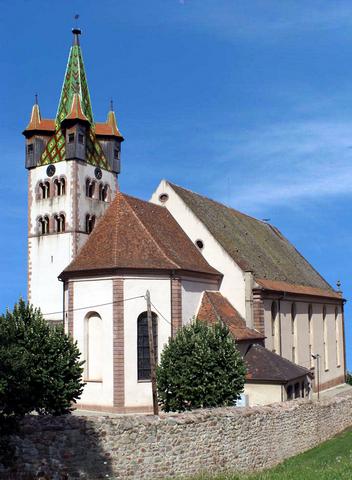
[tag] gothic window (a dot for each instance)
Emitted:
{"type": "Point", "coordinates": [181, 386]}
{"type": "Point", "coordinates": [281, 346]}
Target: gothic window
{"type": "Point", "coordinates": [60, 223]}
{"type": "Point", "coordinates": [293, 318]}
{"type": "Point", "coordinates": [310, 316]}
{"type": "Point", "coordinates": [90, 188]}
{"type": "Point", "coordinates": [273, 318]}
{"type": "Point", "coordinates": [71, 137]}
{"type": "Point", "coordinates": [43, 223]}
{"type": "Point", "coordinates": [310, 332]}
{"type": "Point", "coordinates": [116, 154]}
{"type": "Point", "coordinates": [80, 138]}
{"type": "Point", "coordinates": [90, 222]}
{"type": "Point", "coordinates": [93, 348]}
{"type": "Point", "coordinates": [143, 359]}
{"type": "Point", "coordinates": [30, 148]}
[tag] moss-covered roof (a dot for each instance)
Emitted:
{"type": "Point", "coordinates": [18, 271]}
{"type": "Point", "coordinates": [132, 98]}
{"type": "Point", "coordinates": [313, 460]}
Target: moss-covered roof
{"type": "Point", "coordinates": [254, 245]}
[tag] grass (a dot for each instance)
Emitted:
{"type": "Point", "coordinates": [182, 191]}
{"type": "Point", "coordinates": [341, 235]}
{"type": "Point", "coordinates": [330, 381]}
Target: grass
{"type": "Point", "coordinates": [332, 460]}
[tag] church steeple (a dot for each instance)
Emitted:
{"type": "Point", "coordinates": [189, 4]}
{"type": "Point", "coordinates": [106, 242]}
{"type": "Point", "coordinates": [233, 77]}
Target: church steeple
{"type": "Point", "coordinates": [75, 82]}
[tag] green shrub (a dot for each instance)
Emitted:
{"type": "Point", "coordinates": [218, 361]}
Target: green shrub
{"type": "Point", "coordinates": [349, 378]}
{"type": "Point", "coordinates": [200, 367]}
{"type": "Point", "coordinates": [40, 368]}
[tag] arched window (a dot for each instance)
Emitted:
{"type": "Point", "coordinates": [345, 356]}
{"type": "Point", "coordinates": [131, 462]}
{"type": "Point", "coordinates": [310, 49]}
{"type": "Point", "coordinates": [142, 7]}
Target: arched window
{"type": "Point", "coordinates": [93, 348]}
{"type": "Point", "coordinates": [143, 359]}
{"type": "Point", "coordinates": [294, 332]}
{"type": "Point", "coordinates": [103, 192]}
{"type": "Point", "coordinates": [44, 188]}
{"type": "Point", "coordinates": [43, 223]}
{"type": "Point", "coordinates": [293, 318]}
{"type": "Point", "coordinates": [310, 316]}
{"type": "Point", "coordinates": [60, 186]}
{"type": "Point", "coordinates": [59, 223]}
{"type": "Point", "coordinates": [90, 222]}
{"type": "Point", "coordinates": [90, 188]}
{"type": "Point", "coordinates": [310, 332]}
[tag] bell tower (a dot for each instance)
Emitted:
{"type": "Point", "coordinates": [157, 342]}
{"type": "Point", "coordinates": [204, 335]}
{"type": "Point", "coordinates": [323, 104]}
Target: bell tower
{"type": "Point", "coordinates": [73, 163]}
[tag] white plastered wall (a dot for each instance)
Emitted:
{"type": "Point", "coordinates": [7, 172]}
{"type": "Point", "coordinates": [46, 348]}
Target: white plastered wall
{"type": "Point", "coordinates": [91, 206]}
{"type": "Point", "coordinates": [88, 297]}
{"type": "Point", "coordinates": [50, 254]}
{"type": "Point", "coordinates": [139, 393]}
{"type": "Point", "coordinates": [262, 394]}
{"type": "Point", "coordinates": [192, 292]}
{"type": "Point", "coordinates": [302, 338]}
{"type": "Point", "coordinates": [233, 283]}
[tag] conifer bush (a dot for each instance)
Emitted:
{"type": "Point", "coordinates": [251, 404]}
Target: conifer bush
{"type": "Point", "coordinates": [40, 369]}
{"type": "Point", "coordinates": [200, 367]}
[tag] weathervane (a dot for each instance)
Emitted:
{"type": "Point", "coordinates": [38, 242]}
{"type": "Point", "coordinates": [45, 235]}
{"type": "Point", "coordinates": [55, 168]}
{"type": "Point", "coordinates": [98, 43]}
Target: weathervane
{"type": "Point", "coordinates": [76, 17]}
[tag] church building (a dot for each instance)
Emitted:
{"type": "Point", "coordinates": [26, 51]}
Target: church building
{"type": "Point", "coordinates": [94, 252]}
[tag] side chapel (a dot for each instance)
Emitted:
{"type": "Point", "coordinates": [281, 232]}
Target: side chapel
{"type": "Point", "coordinates": [93, 252]}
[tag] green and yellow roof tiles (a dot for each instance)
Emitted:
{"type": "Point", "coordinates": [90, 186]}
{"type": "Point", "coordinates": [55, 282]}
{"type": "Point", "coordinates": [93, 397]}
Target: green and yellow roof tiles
{"type": "Point", "coordinates": [75, 81]}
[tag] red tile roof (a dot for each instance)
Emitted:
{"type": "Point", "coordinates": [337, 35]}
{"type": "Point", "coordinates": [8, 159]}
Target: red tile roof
{"type": "Point", "coordinates": [135, 234]}
{"type": "Point", "coordinates": [37, 123]}
{"type": "Point", "coordinates": [215, 307]}
{"type": "Point", "coordinates": [279, 286]}
{"type": "Point", "coordinates": [254, 245]}
{"type": "Point", "coordinates": [266, 366]}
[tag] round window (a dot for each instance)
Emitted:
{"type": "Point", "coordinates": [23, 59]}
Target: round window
{"type": "Point", "coordinates": [98, 173]}
{"type": "Point", "coordinates": [200, 244]}
{"type": "Point", "coordinates": [164, 197]}
{"type": "Point", "coordinates": [50, 170]}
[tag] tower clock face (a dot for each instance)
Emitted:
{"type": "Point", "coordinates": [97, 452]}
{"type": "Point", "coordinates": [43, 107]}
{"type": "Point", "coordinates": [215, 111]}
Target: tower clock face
{"type": "Point", "coordinates": [98, 173]}
{"type": "Point", "coordinates": [50, 170]}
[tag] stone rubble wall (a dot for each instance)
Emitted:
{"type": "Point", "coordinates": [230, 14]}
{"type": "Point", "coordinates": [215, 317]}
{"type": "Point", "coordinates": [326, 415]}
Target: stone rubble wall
{"type": "Point", "coordinates": [147, 447]}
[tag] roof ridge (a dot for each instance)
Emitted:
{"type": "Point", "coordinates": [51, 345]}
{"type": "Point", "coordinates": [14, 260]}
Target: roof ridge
{"type": "Point", "coordinates": [219, 203]}
{"type": "Point", "coordinates": [146, 229]}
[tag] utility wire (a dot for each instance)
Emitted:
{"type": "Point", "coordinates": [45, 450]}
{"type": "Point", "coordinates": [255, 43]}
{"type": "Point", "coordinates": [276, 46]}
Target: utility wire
{"type": "Point", "coordinates": [166, 320]}
{"type": "Point", "coordinates": [93, 306]}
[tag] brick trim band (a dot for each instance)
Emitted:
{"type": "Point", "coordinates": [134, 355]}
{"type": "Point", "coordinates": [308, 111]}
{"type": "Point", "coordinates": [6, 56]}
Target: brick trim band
{"type": "Point", "coordinates": [70, 308]}
{"type": "Point", "coordinates": [258, 312]}
{"type": "Point", "coordinates": [176, 305]}
{"type": "Point", "coordinates": [118, 344]}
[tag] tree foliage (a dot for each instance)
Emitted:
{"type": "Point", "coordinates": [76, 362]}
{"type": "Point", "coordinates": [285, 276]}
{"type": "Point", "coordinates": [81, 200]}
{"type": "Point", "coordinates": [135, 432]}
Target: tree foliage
{"type": "Point", "coordinates": [40, 368]}
{"type": "Point", "coordinates": [200, 367]}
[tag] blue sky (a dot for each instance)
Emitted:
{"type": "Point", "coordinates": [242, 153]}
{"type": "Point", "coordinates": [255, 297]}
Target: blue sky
{"type": "Point", "coordinates": [248, 102]}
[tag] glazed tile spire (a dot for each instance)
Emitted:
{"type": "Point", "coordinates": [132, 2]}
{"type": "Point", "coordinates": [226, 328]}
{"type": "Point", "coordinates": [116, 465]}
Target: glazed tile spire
{"type": "Point", "coordinates": [75, 82]}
